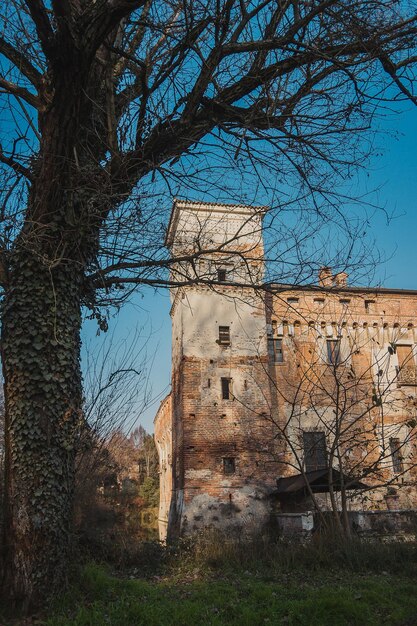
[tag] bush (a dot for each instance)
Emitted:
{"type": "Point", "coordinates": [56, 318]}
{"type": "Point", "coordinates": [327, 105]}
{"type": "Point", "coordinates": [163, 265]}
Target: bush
{"type": "Point", "coordinates": [212, 551]}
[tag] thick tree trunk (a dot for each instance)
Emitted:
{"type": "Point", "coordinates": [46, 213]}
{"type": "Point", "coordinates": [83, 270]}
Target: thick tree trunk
{"type": "Point", "coordinates": [41, 367]}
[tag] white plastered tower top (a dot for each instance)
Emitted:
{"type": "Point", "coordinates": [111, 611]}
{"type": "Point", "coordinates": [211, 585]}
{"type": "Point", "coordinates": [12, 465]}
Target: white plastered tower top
{"type": "Point", "coordinates": [217, 233]}
{"type": "Point", "coordinates": [210, 224]}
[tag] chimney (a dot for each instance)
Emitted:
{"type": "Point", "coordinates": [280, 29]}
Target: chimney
{"type": "Point", "coordinates": [340, 279]}
{"type": "Point", "coordinates": [325, 277]}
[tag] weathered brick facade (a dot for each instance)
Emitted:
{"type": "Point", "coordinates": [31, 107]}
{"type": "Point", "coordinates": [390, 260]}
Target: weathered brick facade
{"type": "Point", "coordinates": [251, 374]}
{"type": "Point", "coordinates": [369, 395]}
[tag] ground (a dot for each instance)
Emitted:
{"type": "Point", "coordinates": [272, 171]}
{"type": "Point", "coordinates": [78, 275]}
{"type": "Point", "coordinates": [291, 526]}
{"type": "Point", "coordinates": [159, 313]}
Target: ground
{"type": "Point", "coordinates": [285, 585]}
{"type": "Point", "coordinates": [245, 601]}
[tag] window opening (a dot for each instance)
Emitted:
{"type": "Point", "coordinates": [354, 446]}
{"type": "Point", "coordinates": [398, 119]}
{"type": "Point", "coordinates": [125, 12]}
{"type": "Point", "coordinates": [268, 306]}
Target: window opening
{"type": "Point", "coordinates": [315, 453]}
{"type": "Point", "coordinates": [397, 459]}
{"type": "Point", "coordinates": [406, 370]}
{"type": "Point", "coordinates": [275, 350]}
{"type": "Point", "coordinates": [405, 356]}
{"type": "Point", "coordinates": [224, 335]}
{"type": "Point", "coordinates": [229, 465]}
{"type": "Point", "coordinates": [226, 388]}
{"type": "Point", "coordinates": [333, 351]}
{"type": "Point", "coordinates": [221, 275]}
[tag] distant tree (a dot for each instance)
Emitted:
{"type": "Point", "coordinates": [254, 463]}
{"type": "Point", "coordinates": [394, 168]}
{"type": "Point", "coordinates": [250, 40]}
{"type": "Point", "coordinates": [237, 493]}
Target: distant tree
{"type": "Point", "coordinates": [123, 456]}
{"type": "Point", "coordinates": [116, 459]}
{"type": "Point", "coordinates": [132, 456]}
{"type": "Point", "coordinates": [149, 491]}
{"type": "Point", "coordinates": [147, 454]}
{"type": "Point", "coordinates": [99, 101]}
{"type": "Point", "coordinates": [137, 436]}
{"type": "Point", "coordinates": [112, 482]}
{"type": "Point", "coordinates": [116, 382]}
{"type": "Point", "coordinates": [116, 391]}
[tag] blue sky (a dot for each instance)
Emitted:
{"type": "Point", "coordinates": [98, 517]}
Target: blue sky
{"type": "Point", "coordinates": [396, 173]}
{"type": "Point", "coordinates": [393, 174]}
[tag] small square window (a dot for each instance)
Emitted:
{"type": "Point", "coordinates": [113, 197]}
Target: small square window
{"type": "Point", "coordinates": [344, 301]}
{"type": "Point", "coordinates": [368, 305]}
{"type": "Point", "coordinates": [224, 335]}
{"type": "Point", "coordinates": [229, 465]}
{"type": "Point", "coordinates": [226, 388]}
{"type": "Point", "coordinates": [221, 275]}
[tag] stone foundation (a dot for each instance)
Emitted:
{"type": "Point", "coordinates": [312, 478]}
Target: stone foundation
{"type": "Point", "coordinates": [385, 525]}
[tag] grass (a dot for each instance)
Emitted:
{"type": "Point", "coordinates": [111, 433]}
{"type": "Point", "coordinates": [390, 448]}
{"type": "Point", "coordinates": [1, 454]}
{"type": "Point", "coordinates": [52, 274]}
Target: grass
{"type": "Point", "coordinates": [244, 600]}
{"type": "Point", "coordinates": [212, 581]}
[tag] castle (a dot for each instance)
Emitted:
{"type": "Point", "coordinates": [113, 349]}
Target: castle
{"type": "Point", "coordinates": [283, 399]}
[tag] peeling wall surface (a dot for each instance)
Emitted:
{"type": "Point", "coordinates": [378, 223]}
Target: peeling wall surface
{"type": "Point", "coordinates": [251, 374]}
{"type": "Point", "coordinates": [163, 442]}
{"type": "Point", "coordinates": [211, 430]}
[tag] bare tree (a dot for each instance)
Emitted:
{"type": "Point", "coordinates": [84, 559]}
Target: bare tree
{"type": "Point", "coordinates": [116, 392]}
{"type": "Point", "coordinates": [104, 100]}
{"type": "Point", "coordinates": [116, 382]}
{"type": "Point", "coordinates": [112, 448]}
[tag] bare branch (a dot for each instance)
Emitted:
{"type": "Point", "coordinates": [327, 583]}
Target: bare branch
{"type": "Point", "coordinates": [43, 26]}
{"type": "Point", "coordinates": [101, 18]}
{"type": "Point", "coordinates": [21, 62]}
{"type": "Point", "coordinates": [21, 92]}
{"type": "Point", "coordinates": [391, 70]}
{"type": "Point", "coordinates": [20, 169]}
{"type": "Point", "coordinates": [135, 41]}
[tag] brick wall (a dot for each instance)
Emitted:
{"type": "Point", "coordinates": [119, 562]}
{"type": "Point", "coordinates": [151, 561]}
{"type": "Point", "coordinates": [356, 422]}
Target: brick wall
{"type": "Point", "coordinates": [226, 454]}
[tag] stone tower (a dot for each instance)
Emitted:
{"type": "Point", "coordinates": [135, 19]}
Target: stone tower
{"type": "Point", "coordinates": [213, 432]}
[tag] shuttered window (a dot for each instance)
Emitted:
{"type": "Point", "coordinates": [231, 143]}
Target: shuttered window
{"type": "Point", "coordinates": [224, 335]}
{"type": "Point", "coordinates": [315, 453]}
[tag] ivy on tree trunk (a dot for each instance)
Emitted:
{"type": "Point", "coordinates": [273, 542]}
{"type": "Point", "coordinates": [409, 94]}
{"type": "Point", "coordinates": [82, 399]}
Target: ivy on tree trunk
{"type": "Point", "coordinates": [41, 365]}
